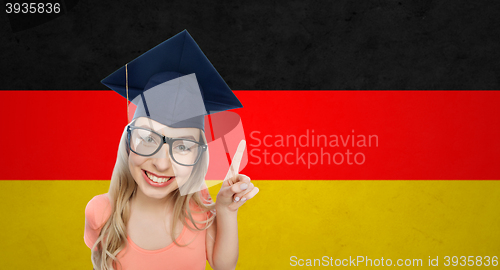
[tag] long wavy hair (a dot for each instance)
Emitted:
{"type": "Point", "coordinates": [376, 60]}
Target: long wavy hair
{"type": "Point", "coordinates": [113, 236]}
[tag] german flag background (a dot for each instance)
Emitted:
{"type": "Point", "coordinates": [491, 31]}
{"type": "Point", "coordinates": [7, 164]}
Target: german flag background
{"type": "Point", "coordinates": [372, 131]}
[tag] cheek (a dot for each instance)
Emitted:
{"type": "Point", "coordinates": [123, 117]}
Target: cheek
{"type": "Point", "coordinates": [182, 174]}
{"type": "Point", "coordinates": [134, 161]}
{"type": "Point", "coordinates": [182, 171]}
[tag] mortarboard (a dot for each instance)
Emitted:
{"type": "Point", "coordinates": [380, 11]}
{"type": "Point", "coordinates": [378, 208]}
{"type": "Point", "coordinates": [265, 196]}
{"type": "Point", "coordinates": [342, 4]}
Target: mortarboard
{"type": "Point", "coordinates": [174, 84]}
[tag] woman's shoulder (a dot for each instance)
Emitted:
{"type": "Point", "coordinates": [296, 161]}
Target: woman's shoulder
{"type": "Point", "coordinates": [98, 210]}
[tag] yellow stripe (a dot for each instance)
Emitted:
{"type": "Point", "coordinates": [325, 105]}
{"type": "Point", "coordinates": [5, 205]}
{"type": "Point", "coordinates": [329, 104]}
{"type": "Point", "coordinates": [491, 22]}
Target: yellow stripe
{"type": "Point", "coordinates": [43, 221]}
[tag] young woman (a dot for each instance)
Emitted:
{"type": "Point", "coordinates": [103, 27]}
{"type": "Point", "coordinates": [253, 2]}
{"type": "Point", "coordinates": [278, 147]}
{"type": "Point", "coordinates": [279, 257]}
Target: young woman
{"type": "Point", "coordinates": [152, 216]}
{"type": "Point", "coordinates": [157, 213]}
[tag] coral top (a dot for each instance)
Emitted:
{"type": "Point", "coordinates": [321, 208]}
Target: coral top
{"type": "Point", "coordinates": [193, 256]}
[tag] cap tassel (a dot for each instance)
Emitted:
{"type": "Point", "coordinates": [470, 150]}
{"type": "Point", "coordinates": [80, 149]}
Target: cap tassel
{"type": "Point", "coordinates": [126, 87]}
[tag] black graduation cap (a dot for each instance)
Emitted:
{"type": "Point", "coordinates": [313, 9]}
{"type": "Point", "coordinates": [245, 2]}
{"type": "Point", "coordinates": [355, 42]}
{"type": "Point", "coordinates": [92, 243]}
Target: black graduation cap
{"type": "Point", "coordinates": [174, 84]}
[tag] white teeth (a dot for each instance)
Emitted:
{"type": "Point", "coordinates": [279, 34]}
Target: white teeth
{"type": "Point", "coordinates": [157, 179]}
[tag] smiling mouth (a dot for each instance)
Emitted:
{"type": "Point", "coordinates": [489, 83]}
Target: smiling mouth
{"type": "Point", "coordinates": [157, 179]}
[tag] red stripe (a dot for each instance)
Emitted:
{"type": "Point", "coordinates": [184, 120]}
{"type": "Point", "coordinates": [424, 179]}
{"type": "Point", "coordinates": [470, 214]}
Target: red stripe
{"type": "Point", "coordinates": [421, 134]}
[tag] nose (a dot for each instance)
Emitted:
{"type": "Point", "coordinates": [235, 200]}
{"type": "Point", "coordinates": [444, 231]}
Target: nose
{"type": "Point", "coordinates": [161, 160]}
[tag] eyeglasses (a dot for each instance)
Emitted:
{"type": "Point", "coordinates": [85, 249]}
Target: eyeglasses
{"type": "Point", "coordinates": [146, 142]}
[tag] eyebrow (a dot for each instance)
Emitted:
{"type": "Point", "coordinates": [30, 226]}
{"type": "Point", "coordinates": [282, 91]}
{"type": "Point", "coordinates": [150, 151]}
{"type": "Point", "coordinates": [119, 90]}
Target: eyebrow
{"type": "Point", "coordinates": [187, 137]}
{"type": "Point", "coordinates": [181, 137]}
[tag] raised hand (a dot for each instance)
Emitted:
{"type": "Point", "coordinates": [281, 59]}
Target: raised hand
{"type": "Point", "coordinates": [236, 188]}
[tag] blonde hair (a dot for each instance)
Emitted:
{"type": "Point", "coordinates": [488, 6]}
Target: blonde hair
{"type": "Point", "coordinates": [113, 236]}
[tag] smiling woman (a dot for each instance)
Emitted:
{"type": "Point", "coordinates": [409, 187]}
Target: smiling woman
{"type": "Point", "coordinates": [158, 213]}
{"type": "Point", "coordinates": [166, 166]}
{"type": "Point", "coordinates": [149, 217]}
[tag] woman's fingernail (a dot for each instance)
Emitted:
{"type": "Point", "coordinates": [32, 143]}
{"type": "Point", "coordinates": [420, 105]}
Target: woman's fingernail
{"type": "Point", "coordinates": [236, 199]}
{"type": "Point", "coordinates": [243, 186]}
{"type": "Point", "coordinates": [244, 199]}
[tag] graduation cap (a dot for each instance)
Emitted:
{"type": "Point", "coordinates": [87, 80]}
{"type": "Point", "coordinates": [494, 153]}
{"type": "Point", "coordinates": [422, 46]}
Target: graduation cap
{"type": "Point", "coordinates": [174, 84]}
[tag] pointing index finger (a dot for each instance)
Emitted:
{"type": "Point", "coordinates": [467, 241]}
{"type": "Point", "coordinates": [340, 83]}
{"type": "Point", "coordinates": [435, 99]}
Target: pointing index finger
{"type": "Point", "coordinates": [235, 164]}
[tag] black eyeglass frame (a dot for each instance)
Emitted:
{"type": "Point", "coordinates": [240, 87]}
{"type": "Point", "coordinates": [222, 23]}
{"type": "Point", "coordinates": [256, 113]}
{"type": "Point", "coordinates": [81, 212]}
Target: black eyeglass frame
{"type": "Point", "coordinates": [166, 140]}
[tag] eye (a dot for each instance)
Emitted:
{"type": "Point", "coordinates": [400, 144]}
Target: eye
{"type": "Point", "coordinates": [182, 148]}
{"type": "Point", "coordinates": [149, 139]}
